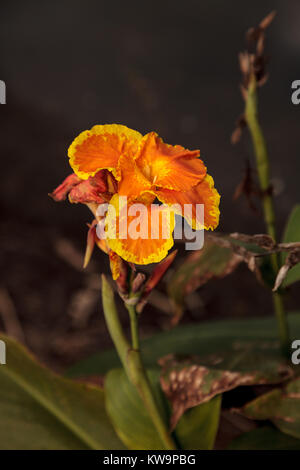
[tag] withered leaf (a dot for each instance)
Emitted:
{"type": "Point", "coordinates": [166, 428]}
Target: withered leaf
{"type": "Point", "coordinates": [219, 257]}
{"type": "Point", "coordinates": [247, 187]}
{"type": "Point", "coordinates": [281, 406]}
{"type": "Point", "coordinates": [261, 239]}
{"type": "Point", "coordinates": [188, 382]}
{"type": "Point", "coordinates": [292, 259]}
{"type": "Point", "coordinates": [240, 125]}
{"type": "Point", "coordinates": [211, 262]}
{"type": "Point", "coordinates": [253, 61]}
{"type": "Point", "coordinates": [265, 23]}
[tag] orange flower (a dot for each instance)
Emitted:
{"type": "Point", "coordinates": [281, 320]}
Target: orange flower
{"type": "Point", "coordinates": [150, 219]}
{"type": "Point", "coordinates": [142, 168]}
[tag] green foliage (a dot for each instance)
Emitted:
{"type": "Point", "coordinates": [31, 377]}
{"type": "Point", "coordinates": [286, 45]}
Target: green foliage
{"type": "Point", "coordinates": [128, 413]}
{"type": "Point", "coordinates": [265, 438]}
{"type": "Point", "coordinates": [195, 430]}
{"type": "Point", "coordinates": [292, 234]}
{"type": "Point", "coordinates": [198, 338]}
{"type": "Point", "coordinates": [40, 410]}
{"type": "Point", "coordinates": [282, 407]}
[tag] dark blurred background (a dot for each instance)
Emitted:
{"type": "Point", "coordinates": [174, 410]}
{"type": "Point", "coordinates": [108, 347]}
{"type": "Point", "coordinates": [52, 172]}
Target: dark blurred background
{"type": "Point", "coordinates": [168, 66]}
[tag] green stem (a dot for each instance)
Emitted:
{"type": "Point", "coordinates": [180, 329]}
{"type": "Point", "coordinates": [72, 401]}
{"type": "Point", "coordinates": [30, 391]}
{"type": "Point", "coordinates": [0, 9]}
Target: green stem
{"type": "Point", "coordinates": [282, 323]}
{"type": "Point", "coordinates": [132, 361]}
{"type": "Point", "coordinates": [113, 322]}
{"type": "Point", "coordinates": [263, 169]}
{"type": "Point", "coordinates": [133, 326]}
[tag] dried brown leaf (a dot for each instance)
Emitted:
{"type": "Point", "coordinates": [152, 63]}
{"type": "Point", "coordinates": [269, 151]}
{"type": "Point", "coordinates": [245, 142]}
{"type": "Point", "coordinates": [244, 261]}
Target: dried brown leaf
{"type": "Point", "coordinates": [292, 259]}
{"type": "Point", "coordinates": [191, 381]}
{"type": "Point", "coordinates": [265, 23]}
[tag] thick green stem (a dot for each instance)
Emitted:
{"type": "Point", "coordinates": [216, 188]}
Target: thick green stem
{"type": "Point", "coordinates": [113, 323]}
{"type": "Point", "coordinates": [132, 361]}
{"type": "Point", "coordinates": [262, 163]}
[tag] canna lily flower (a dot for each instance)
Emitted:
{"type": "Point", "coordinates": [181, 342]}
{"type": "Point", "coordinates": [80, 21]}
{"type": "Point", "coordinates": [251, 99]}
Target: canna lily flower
{"type": "Point", "coordinates": [111, 161]}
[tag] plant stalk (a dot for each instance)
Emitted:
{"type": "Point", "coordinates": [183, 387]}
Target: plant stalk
{"type": "Point", "coordinates": [263, 170]}
{"type": "Point", "coordinates": [133, 327]}
{"type": "Point", "coordinates": [132, 361]}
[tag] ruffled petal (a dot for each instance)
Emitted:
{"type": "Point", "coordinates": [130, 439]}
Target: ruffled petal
{"type": "Point", "coordinates": [143, 248]}
{"type": "Point", "coordinates": [90, 190]}
{"type": "Point", "coordinates": [100, 148]}
{"type": "Point", "coordinates": [169, 166]}
{"type": "Point", "coordinates": [204, 193]}
{"type": "Point", "coordinates": [61, 192]}
{"type": "Point", "coordinates": [132, 181]}
{"type": "Point", "coordinates": [82, 191]}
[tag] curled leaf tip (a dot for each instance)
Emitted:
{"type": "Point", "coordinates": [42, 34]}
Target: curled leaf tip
{"type": "Point", "coordinates": [90, 243]}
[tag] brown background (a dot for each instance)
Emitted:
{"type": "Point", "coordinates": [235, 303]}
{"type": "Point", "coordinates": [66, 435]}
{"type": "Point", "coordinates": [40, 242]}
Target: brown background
{"type": "Point", "coordinates": [168, 66]}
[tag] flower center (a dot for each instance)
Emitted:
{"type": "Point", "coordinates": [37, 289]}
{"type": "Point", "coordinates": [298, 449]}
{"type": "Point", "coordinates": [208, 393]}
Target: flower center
{"type": "Point", "coordinates": [147, 172]}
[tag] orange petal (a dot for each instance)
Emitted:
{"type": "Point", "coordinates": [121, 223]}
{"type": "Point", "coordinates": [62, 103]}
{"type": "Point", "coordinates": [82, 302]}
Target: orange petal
{"type": "Point", "coordinates": [168, 166]}
{"type": "Point", "coordinates": [101, 147]}
{"type": "Point", "coordinates": [143, 249]}
{"type": "Point", "coordinates": [119, 272]}
{"type": "Point", "coordinates": [132, 181]}
{"type": "Point", "coordinates": [115, 265]}
{"type": "Point", "coordinates": [204, 193]}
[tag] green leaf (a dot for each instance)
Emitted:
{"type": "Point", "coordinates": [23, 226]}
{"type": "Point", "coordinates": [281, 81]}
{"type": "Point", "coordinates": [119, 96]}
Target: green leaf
{"type": "Point", "coordinates": [197, 428]}
{"type": "Point", "coordinates": [292, 234]}
{"type": "Point", "coordinates": [265, 438]}
{"type": "Point", "coordinates": [281, 406]}
{"type": "Point", "coordinates": [128, 413]}
{"type": "Point", "coordinates": [197, 338]}
{"type": "Point", "coordinates": [40, 410]}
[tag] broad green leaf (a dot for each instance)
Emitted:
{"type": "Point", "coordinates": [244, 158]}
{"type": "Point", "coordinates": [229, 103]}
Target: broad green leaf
{"type": "Point", "coordinates": [281, 406]}
{"type": "Point", "coordinates": [128, 414]}
{"type": "Point", "coordinates": [197, 338]}
{"type": "Point", "coordinates": [265, 438]}
{"type": "Point", "coordinates": [190, 381]}
{"type": "Point", "coordinates": [40, 410]}
{"type": "Point", "coordinates": [197, 428]}
{"type": "Point", "coordinates": [292, 234]}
